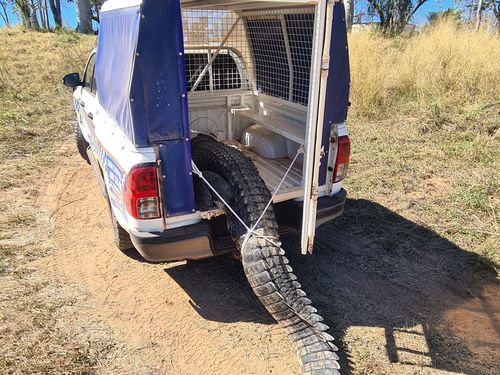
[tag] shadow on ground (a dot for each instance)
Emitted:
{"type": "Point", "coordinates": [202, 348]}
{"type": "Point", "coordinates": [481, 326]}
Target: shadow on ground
{"type": "Point", "coordinates": [371, 268]}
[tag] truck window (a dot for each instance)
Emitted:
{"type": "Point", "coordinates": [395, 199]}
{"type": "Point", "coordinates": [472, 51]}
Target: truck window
{"type": "Point", "coordinates": [89, 77]}
{"type": "Point", "coordinates": [195, 63]}
{"type": "Point", "coordinates": [224, 74]}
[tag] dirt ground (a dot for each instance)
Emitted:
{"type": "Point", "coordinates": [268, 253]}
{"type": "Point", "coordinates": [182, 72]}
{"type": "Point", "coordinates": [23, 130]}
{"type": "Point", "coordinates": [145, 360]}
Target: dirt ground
{"type": "Point", "coordinates": [398, 298]}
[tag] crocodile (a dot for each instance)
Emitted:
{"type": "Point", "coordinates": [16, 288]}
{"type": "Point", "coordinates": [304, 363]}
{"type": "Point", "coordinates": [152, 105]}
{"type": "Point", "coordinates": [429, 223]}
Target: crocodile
{"type": "Point", "coordinates": [264, 262]}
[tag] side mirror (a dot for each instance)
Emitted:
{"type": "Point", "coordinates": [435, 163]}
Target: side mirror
{"type": "Point", "coordinates": [72, 80]}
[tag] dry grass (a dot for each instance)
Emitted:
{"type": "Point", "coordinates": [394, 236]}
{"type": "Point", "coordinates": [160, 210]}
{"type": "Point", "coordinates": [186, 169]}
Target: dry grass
{"type": "Point", "coordinates": [424, 125]}
{"type": "Point", "coordinates": [35, 107]}
{"type": "Point", "coordinates": [444, 70]}
{"type": "Point", "coordinates": [35, 117]}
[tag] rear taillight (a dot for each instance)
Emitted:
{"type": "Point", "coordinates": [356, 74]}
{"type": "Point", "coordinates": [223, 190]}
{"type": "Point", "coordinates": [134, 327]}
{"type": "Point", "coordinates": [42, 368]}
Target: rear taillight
{"type": "Point", "coordinates": [141, 192]}
{"type": "Point", "coordinates": [342, 163]}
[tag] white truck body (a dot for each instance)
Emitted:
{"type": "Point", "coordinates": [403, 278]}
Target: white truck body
{"type": "Point", "coordinates": [219, 106]}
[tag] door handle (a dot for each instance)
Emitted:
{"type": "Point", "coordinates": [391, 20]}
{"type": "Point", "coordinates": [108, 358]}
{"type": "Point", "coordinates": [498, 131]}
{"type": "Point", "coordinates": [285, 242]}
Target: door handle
{"type": "Point", "coordinates": [91, 116]}
{"type": "Point", "coordinates": [82, 103]}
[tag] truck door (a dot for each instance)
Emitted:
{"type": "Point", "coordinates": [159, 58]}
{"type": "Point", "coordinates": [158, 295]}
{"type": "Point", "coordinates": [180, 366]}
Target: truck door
{"type": "Point", "coordinates": [314, 154]}
{"type": "Point", "coordinates": [87, 104]}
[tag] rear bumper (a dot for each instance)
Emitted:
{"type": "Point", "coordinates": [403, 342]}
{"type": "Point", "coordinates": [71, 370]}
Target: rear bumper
{"type": "Point", "coordinates": [210, 237]}
{"type": "Point", "coordinates": [189, 242]}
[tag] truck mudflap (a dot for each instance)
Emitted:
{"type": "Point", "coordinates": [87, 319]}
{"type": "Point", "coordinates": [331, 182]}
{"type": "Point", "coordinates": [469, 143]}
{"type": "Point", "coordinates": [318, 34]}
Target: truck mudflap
{"type": "Point", "coordinates": [289, 213]}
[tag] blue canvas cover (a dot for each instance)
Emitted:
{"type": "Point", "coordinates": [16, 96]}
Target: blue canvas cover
{"type": "Point", "coordinates": [116, 46]}
{"type": "Point", "coordinates": [338, 83]}
{"type": "Point", "coordinates": [159, 82]}
{"type": "Point", "coordinates": [141, 83]}
{"type": "Point", "coordinates": [160, 100]}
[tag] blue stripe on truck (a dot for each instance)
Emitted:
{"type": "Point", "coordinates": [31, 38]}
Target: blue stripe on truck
{"type": "Point", "coordinates": [339, 78]}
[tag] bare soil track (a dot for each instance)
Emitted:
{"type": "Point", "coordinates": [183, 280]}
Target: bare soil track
{"type": "Point", "coordinates": [399, 298]}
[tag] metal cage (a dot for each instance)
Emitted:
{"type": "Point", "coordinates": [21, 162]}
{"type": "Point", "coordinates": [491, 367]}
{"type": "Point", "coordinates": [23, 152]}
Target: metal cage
{"type": "Point", "coordinates": [266, 51]}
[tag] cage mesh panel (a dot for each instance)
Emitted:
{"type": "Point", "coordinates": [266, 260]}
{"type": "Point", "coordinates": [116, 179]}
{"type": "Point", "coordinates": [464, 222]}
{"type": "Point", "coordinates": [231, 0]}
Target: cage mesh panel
{"type": "Point", "coordinates": [195, 62]}
{"type": "Point", "coordinates": [272, 73]}
{"type": "Point", "coordinates": [300, 28]}
{"type": "Point", "coordinates": [225, 73]}
{"type": "Point", "coordinates": [270, 52]}
{"type": "Point", "coordinates": [204, 30]}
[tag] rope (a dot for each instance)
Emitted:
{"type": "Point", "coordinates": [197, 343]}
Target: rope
{"type": "Point", "coordinates": [251, 230]}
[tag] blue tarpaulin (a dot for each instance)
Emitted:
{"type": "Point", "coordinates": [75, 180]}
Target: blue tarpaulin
{"type": "Point", "coordinates": [116, 46]}
{"type": "Point", "coordinates": [141, 83]}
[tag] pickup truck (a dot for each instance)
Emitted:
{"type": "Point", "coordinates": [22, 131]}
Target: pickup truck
{"type": "Point", "coordinates": [216, 127]}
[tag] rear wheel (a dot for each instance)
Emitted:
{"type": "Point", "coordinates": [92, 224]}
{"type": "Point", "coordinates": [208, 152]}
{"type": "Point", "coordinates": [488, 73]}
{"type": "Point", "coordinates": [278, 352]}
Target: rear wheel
{"type": "Point", "coordinates": [81, 142]}
{"type": "Point", "coordinates": [264, 263]}
{"type": "Point", "coordinates": [121, 238]}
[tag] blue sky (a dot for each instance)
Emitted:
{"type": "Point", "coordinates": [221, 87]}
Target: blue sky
{"type": "Point", "coordinates": [421, 15]}
{"type": "Point", "coordinates": [69, 13]}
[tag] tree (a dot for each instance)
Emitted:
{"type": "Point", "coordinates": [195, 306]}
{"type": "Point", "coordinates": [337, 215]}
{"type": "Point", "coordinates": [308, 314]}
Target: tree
{"type": "Point", "coordinates": [477, 9]}
{"type": "Point", "coordinates": [84, 16]}
{"type": "Point", "coordinates": [349, 13]}
{"type": "Point", "coordinates": [23, 8]}
{"type": "Point", "coordinates": [448, 14]}
{"type": "Point", "coordinates": [96, 9]}
{"type": "Point", "coordinates": [55, 7]}
{"type": "Point", "coordinates": [33, 16]}
{"type": "Point", "coordinates": [394, 15]}
{"type": "Point", "coordinates": [41, 5]}
{"type": "Point", "coordinates": [495, 7]}
{"type": "Point", "coordinates": [479, 14]}
{"type": "Point", "coordinates": [4, 14]}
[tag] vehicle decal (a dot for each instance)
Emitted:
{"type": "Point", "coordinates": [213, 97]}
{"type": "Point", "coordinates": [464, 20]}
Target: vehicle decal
{"type": "Point", "coordinates": [114, 175]}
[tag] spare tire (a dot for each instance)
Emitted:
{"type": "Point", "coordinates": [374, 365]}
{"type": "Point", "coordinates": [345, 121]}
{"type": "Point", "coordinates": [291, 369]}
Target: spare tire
{"type": "Point", "coordinates": [264, 263]}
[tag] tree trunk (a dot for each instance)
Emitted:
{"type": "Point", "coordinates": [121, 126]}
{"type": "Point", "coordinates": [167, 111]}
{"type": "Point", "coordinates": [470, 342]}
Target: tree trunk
{"type": "Point", "coordinates": [479, 13]}
{"type": "Point", "coordinates": [349, 13]}
{"type": "Point", "coordinates": [84, 16]}
{"type": "Point", "coordinates": [33, 16]}
{"type": "Point", "coordinates": [25, 11]}
{"type": "Point", "coordinates": [496, 11]}
{"type": "Point", "coordinates": [55, 7]}
{"type": "Point", "coordinates": [46, 10]}
{"type": "Point", "coordinates": [41, 11]}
